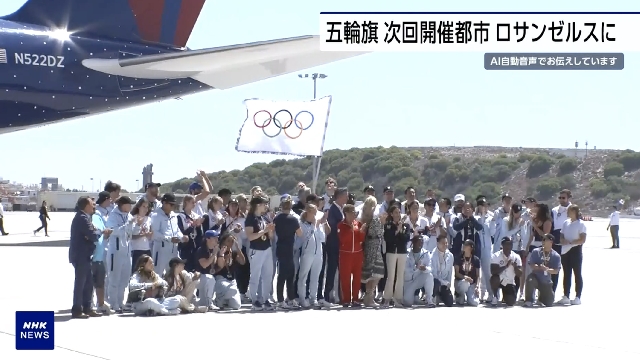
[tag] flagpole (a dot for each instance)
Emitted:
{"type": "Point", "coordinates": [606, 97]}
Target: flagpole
{"type": "Point", "coordinates": [316, 159]}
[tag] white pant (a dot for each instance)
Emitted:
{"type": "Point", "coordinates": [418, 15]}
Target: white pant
{"type": "Point", "coordinates": [310, 265]}
{"type": "Point", "coordinates": [163, 252]}
{"type": "Point", "coordinates": [206, 288]}
{"type": "Point", "coordinates": [395, 261]}
{"type": "Point", "coordinates": [169, 306]}
{"type": "Point", "coordinates": [485, 264]}
{"type": "Point", "coordinates": [419, 280]}
{"type": "Point", "coordinates": [467, 291]}
{"type": "Point", "coordinates": [118, 273]}
{"type": "Point", "coordinates": [227, 294]}
{"type": "Point", "coordinates": [261, 269]}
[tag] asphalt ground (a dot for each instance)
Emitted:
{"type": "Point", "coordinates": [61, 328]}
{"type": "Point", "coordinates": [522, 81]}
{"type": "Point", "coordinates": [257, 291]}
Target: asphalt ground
{"type": "Point", "coordinates": [37, 276]}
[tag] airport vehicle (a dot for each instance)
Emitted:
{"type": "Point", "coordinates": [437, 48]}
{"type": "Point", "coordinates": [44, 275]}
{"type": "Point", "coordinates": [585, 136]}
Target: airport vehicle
{"type": "Point", "coordinates": [65, 59]}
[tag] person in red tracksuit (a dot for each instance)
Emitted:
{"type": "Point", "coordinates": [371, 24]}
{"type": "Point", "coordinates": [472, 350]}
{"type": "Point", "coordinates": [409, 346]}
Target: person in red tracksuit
{"type": "Point", "coordinates": [351, 236]}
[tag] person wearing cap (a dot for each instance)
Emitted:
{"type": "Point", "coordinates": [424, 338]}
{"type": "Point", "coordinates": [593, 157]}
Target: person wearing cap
{"type": "Point", "coordinates": [206, 256]}
{"type": "Point", "coordinates": [442, 268]}
{"type": "Point", "coordinates": [506, 266]}
{"type": "Point", "coordinates": [260, 235]}
{"type": "Point", "coordinates": [467, 276]}
{"type": "Point", "coordinates": [458, 202]}
{"type": "Point", "coordinates": [501, 213]}
{"type": "Point", "coordinates": [191, 225]}
{"type": "Point", "coordinates": [418, 274]}
{"type": "Point", "coordinates": [287, 227]}
{"type": "Point", "coordinates": [332, 246]}
{"type": "Point", "coordinates": [166, 233]}
{"type": "Point", "coordinates": [119, 253]}
{"type": "Point", "coordinates": [200, 192]}
{"type": "Point", "coordinates": [387, 198]}
{"type": "Point", "coordinates": [485, 217]}
{"type": "Point", "coordinates": [151, 190]}
{"type": "Point", "coordinates": [409, 196]}
{"type": "Point", "coordinates": [182, 285]}
{"type": "Point", "coordinates": [466, 227]}
{"type": "Point", "coordinates": [368, 190]}
{"type": "Point", "coordinates": [614, 226]}
{"type": "Point", "coordinates": [114, 193]}
{"type": "Point", "coordinates": [544, 262]}
{"type": "Point", "coordinates": [103, 205]}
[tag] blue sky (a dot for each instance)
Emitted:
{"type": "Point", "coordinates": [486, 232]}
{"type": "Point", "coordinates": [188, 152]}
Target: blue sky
{"type": "Point", "coordinates": [402, 99]}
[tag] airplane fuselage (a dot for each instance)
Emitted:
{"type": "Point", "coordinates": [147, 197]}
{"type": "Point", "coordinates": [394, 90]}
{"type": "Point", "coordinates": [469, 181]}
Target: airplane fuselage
{"type": "Point", "coordinates": [43, 81]}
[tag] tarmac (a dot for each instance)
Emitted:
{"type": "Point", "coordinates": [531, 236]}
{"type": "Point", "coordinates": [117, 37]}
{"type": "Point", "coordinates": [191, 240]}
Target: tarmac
{"type": "Point", "coordinates": [39, 277]}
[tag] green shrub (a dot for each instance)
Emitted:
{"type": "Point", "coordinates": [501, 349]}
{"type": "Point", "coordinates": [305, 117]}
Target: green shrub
{"type": "Point", "coordinates": [539, 165]}
{"type": "Point", "coordinates": [567, 166]}
{"type": "Point", "coordinates": [548, 187]}
{"type": "Point", "coordinates": [522, 158]}
{"type": "Point", "coordinates": [630, 161]}
{"type": "Point", "coordinates": [613, 169]}
{"type": "Point", "coordinates": [598, 188]}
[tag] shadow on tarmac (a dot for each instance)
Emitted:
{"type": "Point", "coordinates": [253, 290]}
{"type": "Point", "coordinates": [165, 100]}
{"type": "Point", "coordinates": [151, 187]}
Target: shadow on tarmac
{"type": "Point", "coordinates": [50, 243]}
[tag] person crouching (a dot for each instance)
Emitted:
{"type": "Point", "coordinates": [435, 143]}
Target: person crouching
{"type": "Point", "coordinates": [206, 258]}
{"type": "Point", "coordinates": [225, 267]}
{"type": "Point", "coordinates": [467, 273]}
{"type": "Point", "coordinates": [182, 284]}
{"type": "Point", "coordinates": [417, 274]}
{"type": "Point", "coordinates": [147, 291]}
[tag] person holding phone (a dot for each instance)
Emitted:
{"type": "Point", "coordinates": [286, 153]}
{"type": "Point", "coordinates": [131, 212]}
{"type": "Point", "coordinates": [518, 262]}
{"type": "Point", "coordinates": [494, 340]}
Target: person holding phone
{"type": "Point", "coordinates": [228, 258]}
{"type": "Point", "coordinates": [121, 224]}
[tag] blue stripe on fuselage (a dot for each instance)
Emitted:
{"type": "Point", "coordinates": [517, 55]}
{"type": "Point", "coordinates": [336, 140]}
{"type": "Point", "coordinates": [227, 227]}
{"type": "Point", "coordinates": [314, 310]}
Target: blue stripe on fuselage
{"type": "Point", "coordinates": [170, 15]}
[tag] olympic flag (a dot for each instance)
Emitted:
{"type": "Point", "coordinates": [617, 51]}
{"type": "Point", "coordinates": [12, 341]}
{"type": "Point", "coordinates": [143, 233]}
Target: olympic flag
{"type": "Point", "coordinates": [284, 127]}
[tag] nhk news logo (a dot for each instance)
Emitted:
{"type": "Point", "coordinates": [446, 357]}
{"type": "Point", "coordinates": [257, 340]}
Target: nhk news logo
{"type": "Point", "coordinates": [34, 330]}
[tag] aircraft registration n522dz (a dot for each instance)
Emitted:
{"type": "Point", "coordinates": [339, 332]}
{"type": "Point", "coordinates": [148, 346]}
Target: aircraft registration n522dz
{"type": "Point", "coordinates": [64, 59]}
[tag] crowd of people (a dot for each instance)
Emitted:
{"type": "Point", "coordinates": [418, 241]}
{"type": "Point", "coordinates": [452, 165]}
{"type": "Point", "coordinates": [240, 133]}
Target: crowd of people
{"type": "Point", "coordinates": [153, 256]}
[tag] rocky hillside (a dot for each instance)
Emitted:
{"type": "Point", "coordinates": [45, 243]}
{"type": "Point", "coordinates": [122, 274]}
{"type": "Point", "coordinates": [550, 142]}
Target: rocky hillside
{"type": "Point", "coordinates": [597, 180]}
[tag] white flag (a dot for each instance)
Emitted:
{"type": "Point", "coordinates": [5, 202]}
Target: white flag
{"type": "Point", "coordinates": [285, 127]}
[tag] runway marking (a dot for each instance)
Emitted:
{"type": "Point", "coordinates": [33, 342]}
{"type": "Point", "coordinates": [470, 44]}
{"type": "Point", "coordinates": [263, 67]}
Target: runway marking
{"type": "Point", "coordinates": [64, 348]}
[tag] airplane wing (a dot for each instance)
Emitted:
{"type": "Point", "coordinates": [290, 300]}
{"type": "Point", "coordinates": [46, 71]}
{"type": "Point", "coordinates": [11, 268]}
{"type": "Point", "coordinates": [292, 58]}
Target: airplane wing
{"type": "Point", "coordinates": [228, 66]}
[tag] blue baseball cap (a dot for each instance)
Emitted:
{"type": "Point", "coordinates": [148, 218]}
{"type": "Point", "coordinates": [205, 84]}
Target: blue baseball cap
{"type": "Point", "coordinates": [211, 233]}
{"type": "Point", "coordinates": [285, 197]}
{"type": "Point", "coordinates": [195, 186]}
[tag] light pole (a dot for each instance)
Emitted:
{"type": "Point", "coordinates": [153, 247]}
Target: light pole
{"type": "Point", "coordinates": [137, 185]}
{"type": "Point", "coordinates": [314, 77]}
{"type": "Point", "coordinates": [586, 148]}
{"type": "Point", "coordinates": [317, 159]}
{"type": "Point", "coordinates": [92, 189]}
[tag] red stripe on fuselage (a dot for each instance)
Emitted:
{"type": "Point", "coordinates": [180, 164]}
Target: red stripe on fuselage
{"type": "Point", "coordinates": [148, 14]}
{"type": "Point", "coordinates": [189, 12]}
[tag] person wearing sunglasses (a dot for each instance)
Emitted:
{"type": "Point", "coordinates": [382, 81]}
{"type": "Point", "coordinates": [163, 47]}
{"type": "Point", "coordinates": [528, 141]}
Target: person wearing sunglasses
{"type": "Point", "coordinates": [559, 216]}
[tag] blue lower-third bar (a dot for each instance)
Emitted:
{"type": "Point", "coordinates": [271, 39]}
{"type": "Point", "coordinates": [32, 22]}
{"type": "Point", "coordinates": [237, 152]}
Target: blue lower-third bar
{"type": "Point", "coordinates": [554, 61]}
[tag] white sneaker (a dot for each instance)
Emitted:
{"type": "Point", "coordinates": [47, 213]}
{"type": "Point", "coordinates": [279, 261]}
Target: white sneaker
{"type": "Point", "coordinates": [283, 305]}
{"type": "Point", "coordinates": [520, 297]}
{"type": "Point", "coordinates": [494, 301]}
{"type": "Point", "coordinates": [294, 304]}
{"type": "Point", "coordinates": [304, 303]}
{"type": "Point", "coordinates": [378, 297]}
{"type": "Point", "coordinates": [105, 309]}
{"type": "Point", "coordinates": [314, 303]}
{"type": "Point", "coordinates": [325, 304]}
{"type": "Point", "coordinates": [576, 301]}
{"type": "Point", "coordinates": [564, 301]}
{"type": "Point", "coordinates": [201, 309]}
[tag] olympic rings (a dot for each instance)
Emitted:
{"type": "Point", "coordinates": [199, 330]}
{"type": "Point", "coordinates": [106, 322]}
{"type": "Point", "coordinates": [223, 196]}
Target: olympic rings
{"type": "Point", "coordinates": [293, 120]}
